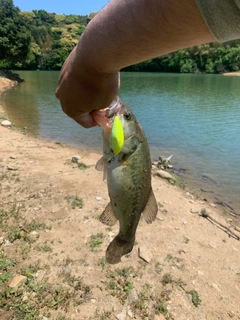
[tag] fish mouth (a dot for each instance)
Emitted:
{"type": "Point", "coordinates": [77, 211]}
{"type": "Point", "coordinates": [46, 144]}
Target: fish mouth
{"type": "Point", "coordinates": [105, 117]}
{"type": "Point", "coordinates": [114, 108]}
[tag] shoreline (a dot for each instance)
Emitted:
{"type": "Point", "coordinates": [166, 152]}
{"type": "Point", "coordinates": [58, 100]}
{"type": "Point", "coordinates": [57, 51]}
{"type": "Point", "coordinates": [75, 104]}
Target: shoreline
{"type": "Point", "coordinates": [37, 178]}
{"type": "Point", "coordinates": [233, 73]}
{"type": "Point", "coordinates": [6, 84]}
{"type": "Point", "coordinates": [223, 204]}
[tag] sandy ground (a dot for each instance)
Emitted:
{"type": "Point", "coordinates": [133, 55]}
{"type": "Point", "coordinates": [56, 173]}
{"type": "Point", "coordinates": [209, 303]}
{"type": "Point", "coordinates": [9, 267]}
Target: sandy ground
{"type": "Point", "coordinates": [186, 253]}
{"type": "Point", "coordinates": [6, 84]}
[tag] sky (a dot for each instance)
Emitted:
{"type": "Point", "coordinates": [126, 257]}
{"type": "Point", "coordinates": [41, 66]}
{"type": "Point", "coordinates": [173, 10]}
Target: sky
{"type": "Point", "coordinates": [79, 7]}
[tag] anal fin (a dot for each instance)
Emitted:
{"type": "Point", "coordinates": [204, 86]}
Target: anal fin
{"type": "Point", "coordinates": [151, 209]}
{"type": "Point", "coordinates": [108, 217]}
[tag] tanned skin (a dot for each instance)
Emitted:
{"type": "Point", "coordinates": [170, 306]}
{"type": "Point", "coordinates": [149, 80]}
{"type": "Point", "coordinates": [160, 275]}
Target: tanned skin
{"type": "Point", "coordinates": [123, 33]}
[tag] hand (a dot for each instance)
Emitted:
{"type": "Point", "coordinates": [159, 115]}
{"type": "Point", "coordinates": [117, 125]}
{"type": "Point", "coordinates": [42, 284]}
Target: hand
{"type": "Point", "coordinates": [83, 91]}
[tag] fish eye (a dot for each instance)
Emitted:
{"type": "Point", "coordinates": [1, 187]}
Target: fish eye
{"type": "Point", "coordinates": [127, 116]}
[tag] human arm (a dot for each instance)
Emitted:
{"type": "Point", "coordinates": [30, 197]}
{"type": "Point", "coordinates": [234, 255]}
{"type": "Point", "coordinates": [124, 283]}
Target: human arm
{"type": "Point", "coordinates": [123, 33]}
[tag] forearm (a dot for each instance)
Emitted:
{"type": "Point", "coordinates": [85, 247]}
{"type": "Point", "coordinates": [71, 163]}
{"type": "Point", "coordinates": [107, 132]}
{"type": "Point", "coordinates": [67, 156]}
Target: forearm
{"type": "Point", "coordinates": [126, 32]}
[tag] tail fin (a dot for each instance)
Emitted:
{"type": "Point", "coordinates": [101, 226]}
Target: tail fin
{"type": "Point", "coordinates": [118, 248]}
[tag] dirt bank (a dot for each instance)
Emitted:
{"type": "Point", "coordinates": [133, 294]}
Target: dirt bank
{"type": "Point", "coordinates": [6, 84]}
{"type": "Point", "coordinates": [50, 234]}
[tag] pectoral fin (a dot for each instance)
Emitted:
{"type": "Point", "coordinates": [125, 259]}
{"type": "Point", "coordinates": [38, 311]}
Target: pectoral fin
{"type": "Point", "coordinates": [151, 209]}
{"type": "Point", "coordinates": [108, 217]}
{"type": "Point", "coordinates": [100, 166]}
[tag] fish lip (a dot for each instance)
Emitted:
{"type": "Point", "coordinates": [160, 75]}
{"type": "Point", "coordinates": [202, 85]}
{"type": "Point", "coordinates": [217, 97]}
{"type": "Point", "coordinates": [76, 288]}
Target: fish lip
{"type": "Point", "coordinates": [113, 108]}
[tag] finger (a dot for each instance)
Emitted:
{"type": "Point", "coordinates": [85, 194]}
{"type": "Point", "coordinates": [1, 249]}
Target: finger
{"type": "Point", "coordinates": [85, 120]}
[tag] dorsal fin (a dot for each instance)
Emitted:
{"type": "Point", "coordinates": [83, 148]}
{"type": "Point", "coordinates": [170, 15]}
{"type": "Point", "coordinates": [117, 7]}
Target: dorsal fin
{"type": "Point", "coordinates": [108, 217]}
{"type": "Point", "coordinates": [151, 209]}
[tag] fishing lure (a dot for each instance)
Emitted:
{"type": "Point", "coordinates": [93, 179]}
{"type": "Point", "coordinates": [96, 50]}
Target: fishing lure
{"type": "Point", "coordinates": [117, 136]}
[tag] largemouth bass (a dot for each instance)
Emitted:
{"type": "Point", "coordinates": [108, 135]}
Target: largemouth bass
{"type": "Point", "coordinates": [128, 175]}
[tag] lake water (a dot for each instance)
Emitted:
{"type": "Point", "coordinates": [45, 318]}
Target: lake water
{"type": "Point", "coordinates": [194, 117]}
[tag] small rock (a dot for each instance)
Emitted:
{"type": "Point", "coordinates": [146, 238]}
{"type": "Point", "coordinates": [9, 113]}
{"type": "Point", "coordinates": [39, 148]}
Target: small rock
{"type": "Point", "coordinates": [34, 233]}
{"type": "Point", "coordinates": [111, 234]}
{"type": "Point", "coordinates": [159, 218]}
{"type": "Point", "coordinates": [194, 210]}
{"type": "Point", "coordinates": [76, 158]}
{"type": "Point", "coordinates": [145, 254]}
{"type": "Point", "coordinates": [129, 312]}
{"type": "Point", "coordinates": [25, 298]}
{"type": "Point", "coordinates": [98, 198]}
{"type": "Point", "coordinates": [132, 295]}
{"type": "Point", "coordinates": [164, 174]}
{"type": "Point", "coordinates": [122, 315]}
{"type": "Point", "coordinates": [17, 280]}
{"type": "Point", "coordinates": [212, 205]}
{"type": "Point", "coordinates": [7, 243]}
{"type": "Point", "coordinates": [211, 245]}
{"type": "Point", "coordinates": [231, 314]}
{"type": "Point", "coordinates": [215, 286]}
{"type": "Point", "coordinates": [6, 123]}
{"type": "Point", "coordinates": [12, 168]}
{"type": "Point", "coordinates": [13, 157]}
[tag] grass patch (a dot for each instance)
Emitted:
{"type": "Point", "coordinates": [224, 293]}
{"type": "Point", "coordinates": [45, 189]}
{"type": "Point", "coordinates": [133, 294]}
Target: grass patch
{"type": "Point", "coordinates": [43, 248]}
{"type": "Point", "coordinates": [160, 307]}
{"type": "Point", "coordinates": [168, 279]}
{"type": "Point", "coordinates": [74, 201]}
{"type": "Point", "coordinates": [177, 181]}
{"type": "Point", "coordinates": [195, 297]}
{"type": "Point", "coordinates": [96, 241]}
{"type": "Point", "coordinates": [82, 166]}
{"type": "Point", "coordinates": [33, 297]}
{"type": "Point", "coordinates": [175, 261]}
{"type": "Point", "coordinates": [120, 282]}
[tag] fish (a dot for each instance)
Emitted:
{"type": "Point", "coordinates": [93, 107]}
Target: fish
{"type": "Point", "coordinates": [128, 175]}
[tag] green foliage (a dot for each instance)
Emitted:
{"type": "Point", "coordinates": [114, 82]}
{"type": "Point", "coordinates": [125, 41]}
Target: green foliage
{"type": "Point", "coordinates": [15, 35]}
{"type": "Point", "coordinates": [43, 40]}
{"type": "Point", "coordinates": [195, 297]}
{"type": "Point", "coordinates": [37, 39]}
{"type": "Point", "coordinates": [209, 58]}
{"type": "Point", "coordinates": [96, 241]}
{"type": "Point", "coordinates": [75, 201]}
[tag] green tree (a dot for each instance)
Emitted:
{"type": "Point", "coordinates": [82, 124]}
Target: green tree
{"type": "Point", "coordinates": [15, 35]}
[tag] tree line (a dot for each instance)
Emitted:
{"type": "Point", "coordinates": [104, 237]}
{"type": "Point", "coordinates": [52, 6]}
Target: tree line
{"type": "Point", "coordinates": [42, 40]}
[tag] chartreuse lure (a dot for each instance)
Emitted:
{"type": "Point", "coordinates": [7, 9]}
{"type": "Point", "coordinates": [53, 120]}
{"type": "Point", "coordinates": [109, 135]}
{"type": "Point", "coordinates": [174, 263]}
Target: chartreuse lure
{"type": "Point", "coordinates": [117, 136]}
